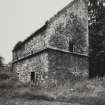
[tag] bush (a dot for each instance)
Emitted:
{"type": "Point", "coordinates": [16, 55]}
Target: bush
{"type": "Point", "coordinates": [88, 100]}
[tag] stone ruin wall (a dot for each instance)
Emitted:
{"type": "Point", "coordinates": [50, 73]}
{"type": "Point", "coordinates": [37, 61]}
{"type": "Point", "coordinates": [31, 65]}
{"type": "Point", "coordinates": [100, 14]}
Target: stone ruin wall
{"type": "Point", "coordinates": [37, 64]}
{"type": "Point", "coordinates": [70, 24]}
{"type": "Point", "coordinates": [33, 45]}
{"type": "Point", "coordinates": [65, 67]}
{"type": "Point", "coordinates": [53, 68]}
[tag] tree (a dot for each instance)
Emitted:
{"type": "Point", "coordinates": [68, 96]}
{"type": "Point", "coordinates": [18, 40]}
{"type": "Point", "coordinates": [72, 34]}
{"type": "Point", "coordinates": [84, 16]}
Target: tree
{"type": "Point", "coordinates": [96, 10]}
{"type": "Point", "coordinates": [1, 62]}
{"type": "Point", "coordinates": [97, 37]}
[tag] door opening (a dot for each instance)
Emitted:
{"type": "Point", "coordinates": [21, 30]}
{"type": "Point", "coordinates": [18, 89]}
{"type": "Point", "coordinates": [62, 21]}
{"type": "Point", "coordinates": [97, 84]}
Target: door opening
{"type": "Point", "coordinates": [33, 76]}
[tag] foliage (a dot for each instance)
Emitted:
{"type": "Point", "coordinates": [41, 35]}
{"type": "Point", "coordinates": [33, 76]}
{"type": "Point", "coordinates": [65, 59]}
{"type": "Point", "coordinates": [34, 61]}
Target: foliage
{"type": "Point", "coordinates": [97, 37]}
{"type": "Point", "coordinates": [1, 60]}
{"type": "Point", "coordinates": [1, 63]}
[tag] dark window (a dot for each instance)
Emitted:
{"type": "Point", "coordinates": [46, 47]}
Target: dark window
{"type": "Point", "coordinates": [33, 76]}
{"type": "Point", "coordinates": [70, 47]}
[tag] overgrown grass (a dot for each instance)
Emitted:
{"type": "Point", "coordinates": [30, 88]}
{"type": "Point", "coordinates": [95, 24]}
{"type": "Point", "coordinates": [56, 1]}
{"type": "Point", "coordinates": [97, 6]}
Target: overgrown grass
{"type": "Point", "coordinates": [87, 92]}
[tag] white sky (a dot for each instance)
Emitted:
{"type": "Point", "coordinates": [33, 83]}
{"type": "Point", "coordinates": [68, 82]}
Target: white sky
{"type": "Point", "coordinates": [20, 18]}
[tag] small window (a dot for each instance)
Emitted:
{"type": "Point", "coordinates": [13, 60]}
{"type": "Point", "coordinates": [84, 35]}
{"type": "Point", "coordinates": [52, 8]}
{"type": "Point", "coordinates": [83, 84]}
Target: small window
{"type": "Point", "coordinates": [71, 47]}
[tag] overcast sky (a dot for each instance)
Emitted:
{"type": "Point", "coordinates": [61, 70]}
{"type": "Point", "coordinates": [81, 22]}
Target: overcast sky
{"type": "Point", "coordinates": [20, 18]}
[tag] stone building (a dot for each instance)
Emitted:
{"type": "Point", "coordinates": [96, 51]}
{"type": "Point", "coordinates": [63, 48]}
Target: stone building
{"type": "Point", "coordinates": [58, 51]}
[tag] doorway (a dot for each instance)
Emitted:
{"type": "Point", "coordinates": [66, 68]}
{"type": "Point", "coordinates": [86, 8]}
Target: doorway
{"type": "Point", "coordinates": [32, 76]}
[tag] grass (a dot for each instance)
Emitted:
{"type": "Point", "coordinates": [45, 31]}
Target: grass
{"type": "Point", "coordinates": [87, 92]}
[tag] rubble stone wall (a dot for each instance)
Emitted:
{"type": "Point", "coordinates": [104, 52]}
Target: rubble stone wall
{"type": "Point", "coordinates": [33, 45]}
{"type": "Point", "coordinates": [70, 25]}
{"type": "Point", "coordinates": [53, 68]}
{"type": "Point", "coordinates": [37, 64]}
{"type": "Point", "coordinates": [66, 67]}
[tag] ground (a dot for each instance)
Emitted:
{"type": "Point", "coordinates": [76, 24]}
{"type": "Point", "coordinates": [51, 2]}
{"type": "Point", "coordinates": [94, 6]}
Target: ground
{"type": "Point", "coordinates": [87, 92]}
{"type": "Point", "coordinates": [33, 102]}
